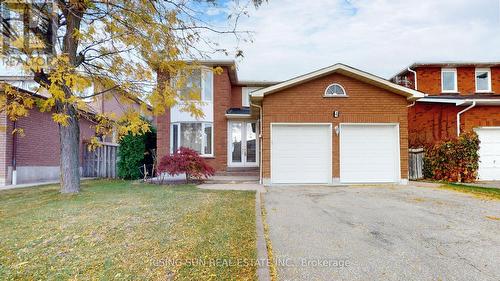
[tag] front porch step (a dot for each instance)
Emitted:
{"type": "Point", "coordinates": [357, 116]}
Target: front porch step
{"type": "Point", "coordinates": [239, 172]}
{"type": "Point", "coordinates": [237, 175]}
{"type": "Point", "coordinates": [233, 179]}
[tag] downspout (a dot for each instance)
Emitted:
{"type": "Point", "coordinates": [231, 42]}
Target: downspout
{"type": "Point", "coordinates": [414, 75]}
{"type": "Point", "coordinates": [260, 139]}
{"type": "Point", "coordinates": [460, 113]}
{"type": "Point", "coordinates": [14, 152]}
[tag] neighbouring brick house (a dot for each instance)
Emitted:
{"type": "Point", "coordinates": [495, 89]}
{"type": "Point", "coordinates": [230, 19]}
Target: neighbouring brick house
{"type": "Point", "coordinates": [119, 104]}
{"type": "Point", "coordinates": [337, 124]}
{"type": "Point", "coordinates": [459, 97]}
{"type": "Point", "coordinates": [36, 156]}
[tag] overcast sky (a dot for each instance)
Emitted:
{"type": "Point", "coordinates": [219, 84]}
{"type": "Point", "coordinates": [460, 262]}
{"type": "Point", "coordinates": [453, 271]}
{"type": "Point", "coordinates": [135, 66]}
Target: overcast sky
{"type": "Point", "coordinates": [293, 37]}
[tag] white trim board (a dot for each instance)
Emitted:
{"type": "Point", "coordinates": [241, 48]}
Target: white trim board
{"type": "Point", "coordinates": [462, 102]}
{"type": "Point", "coordinates": [410, 94]}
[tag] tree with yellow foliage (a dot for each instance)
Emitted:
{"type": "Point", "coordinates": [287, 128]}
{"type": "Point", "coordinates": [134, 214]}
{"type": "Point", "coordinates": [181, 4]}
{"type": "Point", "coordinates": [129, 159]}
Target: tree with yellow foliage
{"type": "Point", "coordinates": [70, 46]}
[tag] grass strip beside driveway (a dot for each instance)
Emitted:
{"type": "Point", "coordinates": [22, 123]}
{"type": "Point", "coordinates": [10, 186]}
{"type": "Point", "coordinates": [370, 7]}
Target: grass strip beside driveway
{"type": "Point", "coordinates": [485, 192]}
{"type": "Point", "coordinates": [123, 231]}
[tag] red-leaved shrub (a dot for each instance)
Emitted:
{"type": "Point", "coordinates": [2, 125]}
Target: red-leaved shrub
{"type": "Point", "coordinates": [186, 161]}
{"type": "Point", "coordinates": [455, 160]}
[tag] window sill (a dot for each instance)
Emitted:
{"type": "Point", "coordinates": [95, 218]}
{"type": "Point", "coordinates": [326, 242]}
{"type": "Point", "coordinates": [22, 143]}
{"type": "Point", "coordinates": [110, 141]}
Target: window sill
{"type": "Point", "coordinates": [337, 96]}
{"type": "Point", "coordinates": [201, 102]}
{"type": "Point", "coordinates": [202, 156]}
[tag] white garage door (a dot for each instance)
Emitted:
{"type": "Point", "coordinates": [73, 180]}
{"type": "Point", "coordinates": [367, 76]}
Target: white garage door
{"type": "Point", "coordinates": [369, 153]}
{"type": "Point", "coordinates": [489, 153]}
{"type": "Point", "coordinates": [301, 153]}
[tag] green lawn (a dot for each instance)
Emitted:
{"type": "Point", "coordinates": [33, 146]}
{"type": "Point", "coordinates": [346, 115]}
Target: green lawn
{"type": "Point", "coordinates": [491, 193]}
{"type": "Point", "coordinates": [117, 230]}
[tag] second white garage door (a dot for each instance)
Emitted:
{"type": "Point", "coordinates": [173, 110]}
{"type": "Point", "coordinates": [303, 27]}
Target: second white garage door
{"type": "Point", "coordinates": [301, 153]}
{"type": "Point", "coordinates": [369, 153]}
{"type": "Point", "coordinates": [489, 153]}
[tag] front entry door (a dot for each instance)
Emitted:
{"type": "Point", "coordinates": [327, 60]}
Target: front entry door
{"type": "Point", "coordinates": [243, 144]}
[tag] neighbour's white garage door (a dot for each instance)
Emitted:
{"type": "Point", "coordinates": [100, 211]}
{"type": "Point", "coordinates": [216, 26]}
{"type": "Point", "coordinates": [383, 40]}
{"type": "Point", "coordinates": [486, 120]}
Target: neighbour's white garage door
{"type": "Point", "coordinates": [489, 153]}
{"type": "Point", "coordinates": [369, 153]}
{"type": "Point", "coordinates": [301, 153]}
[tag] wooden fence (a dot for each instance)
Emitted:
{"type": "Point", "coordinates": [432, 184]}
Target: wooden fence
{"type": "Point", "coordinates": [416, 163]}
{"type": "Point", "coordinates": [101, 162]}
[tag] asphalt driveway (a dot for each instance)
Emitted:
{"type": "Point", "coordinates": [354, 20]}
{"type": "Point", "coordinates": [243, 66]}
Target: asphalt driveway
{"type": "Point", "coordinates": [382, 233]}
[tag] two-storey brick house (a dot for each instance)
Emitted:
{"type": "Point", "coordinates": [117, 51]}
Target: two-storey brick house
{"type": "Point", "coordinates": [460, 96]}
{"type": "Point", "coordinates": [334, 125]}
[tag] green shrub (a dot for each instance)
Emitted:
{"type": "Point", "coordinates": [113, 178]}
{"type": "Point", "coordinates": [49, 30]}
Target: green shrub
{"type": "Point", "coordinates": [131, 156]}
{"type": "Point", "coordinates": [455, 160]}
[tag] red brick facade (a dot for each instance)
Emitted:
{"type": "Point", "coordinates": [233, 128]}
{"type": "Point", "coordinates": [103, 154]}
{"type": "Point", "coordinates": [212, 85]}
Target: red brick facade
{"type": "Point", "coordinates": [222, 101]}
{"type": "Point", "coordinates": [429, 80]}
{"type": "Point", "coordinates": [40, 144]}
{"type": "Point", "coordinates": [305, 103]}
{"type": "Point", "coordinates": [236, 96]}
{"type": "Point", "coordinates": [433, 122]}
{"type": "Point", "coordinates": [39, 147]}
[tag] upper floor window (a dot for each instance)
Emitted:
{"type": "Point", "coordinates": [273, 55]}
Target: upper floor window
{"type": "Point", "coordinates": [335, 90]}
{"type": "Point", "coordinates": [197, 85]}
{"type": "Point", "coordinates": [449, 80]}
{"type": "Point", "coordinates": [245, 95]}
{"type": "Point", "coordinates": [483, 80]}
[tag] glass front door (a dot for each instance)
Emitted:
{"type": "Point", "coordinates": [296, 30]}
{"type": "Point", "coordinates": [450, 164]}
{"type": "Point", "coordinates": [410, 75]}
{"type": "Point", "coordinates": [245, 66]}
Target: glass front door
{"type": "Point", "coordinates": [243, 144]}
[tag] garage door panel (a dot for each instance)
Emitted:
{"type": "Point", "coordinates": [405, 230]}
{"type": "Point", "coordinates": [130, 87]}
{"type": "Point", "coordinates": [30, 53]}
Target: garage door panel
{"type": "Point", "coordinates": [301, 154]}
{"type": "Point", "coordinates": [369, 153]}
{"type": "Point", "coordinates": [489, 153]}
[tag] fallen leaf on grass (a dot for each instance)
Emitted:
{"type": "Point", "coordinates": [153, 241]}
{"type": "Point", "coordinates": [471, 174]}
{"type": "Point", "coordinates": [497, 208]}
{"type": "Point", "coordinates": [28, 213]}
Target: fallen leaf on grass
{"type": "Point", "coordinates": [21, 264]}
{"type": "Point", "coordinates": [493, 218]}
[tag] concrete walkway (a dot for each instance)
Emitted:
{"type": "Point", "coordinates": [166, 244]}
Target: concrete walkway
{"type": "Point", "coordinates": [238, 186]}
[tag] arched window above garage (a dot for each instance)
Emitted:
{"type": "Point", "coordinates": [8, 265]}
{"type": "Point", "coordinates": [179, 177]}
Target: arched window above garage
{"type": "Point", "coordinates": [335, 90]}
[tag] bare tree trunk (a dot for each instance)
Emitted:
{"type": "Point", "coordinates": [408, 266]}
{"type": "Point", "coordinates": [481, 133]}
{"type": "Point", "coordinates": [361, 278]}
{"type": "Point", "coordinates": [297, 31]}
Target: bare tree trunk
{"type": "Point", "coordinates": [69, 137]}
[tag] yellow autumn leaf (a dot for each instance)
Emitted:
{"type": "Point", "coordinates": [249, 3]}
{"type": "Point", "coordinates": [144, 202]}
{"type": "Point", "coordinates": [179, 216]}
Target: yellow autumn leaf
{"type": "Point", "coordinates": [61, 118]}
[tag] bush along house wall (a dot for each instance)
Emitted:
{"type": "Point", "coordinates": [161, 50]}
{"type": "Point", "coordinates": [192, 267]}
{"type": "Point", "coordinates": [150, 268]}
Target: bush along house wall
{"type": "Point", "coordinates": [455, 160]}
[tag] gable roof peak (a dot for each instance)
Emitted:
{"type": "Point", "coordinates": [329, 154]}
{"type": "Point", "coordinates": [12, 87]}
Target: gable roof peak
{"type": "Point", "coordinates": [346, 70]}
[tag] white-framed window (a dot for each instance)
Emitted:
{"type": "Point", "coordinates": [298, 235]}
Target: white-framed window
{"type": "Point", "coordinates": [198, 84]}
{"type": "Point", "coordinates": [198, 136]}
{"type": "Point", "coordinates": [449, 80]}
{"type": "Point", "coordinates": [335, 90]}
{"type": "Point", "coordinates": [483, 80]}
{"type": "Point", "coordinates": [245, 95]}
